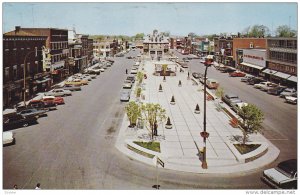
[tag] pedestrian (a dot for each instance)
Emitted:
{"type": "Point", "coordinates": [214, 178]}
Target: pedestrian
{"type": "Point", "coordinates": [15, 187]}
{"type": "Point", "coordinates": [126, 71]}
{"type": "Point", "coordinates": [38, 186]}
{"type": "Point", "coordinates": [188, 74]}
{"type": "Point", "coordinates": [155, 128]}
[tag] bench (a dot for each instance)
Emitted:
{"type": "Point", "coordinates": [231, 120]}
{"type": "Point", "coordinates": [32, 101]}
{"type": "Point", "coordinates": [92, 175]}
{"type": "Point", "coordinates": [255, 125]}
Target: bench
{"type": "Point", "coordinates": [234, 122]}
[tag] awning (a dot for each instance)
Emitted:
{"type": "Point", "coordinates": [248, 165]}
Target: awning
{"type": "Point", "coordinates": [282, 75]}
{"type": "Point", "coordinates": [252, 65]}
{"type": "Point", "coordinates": [269, 71]}
{"type": "Point", "coordinates": [292, 78]}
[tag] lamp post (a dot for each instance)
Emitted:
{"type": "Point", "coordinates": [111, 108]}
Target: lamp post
{"type": "Point", "coordinates": [24, 69]}
{"type": "Point", "coordinates": [204, 134]}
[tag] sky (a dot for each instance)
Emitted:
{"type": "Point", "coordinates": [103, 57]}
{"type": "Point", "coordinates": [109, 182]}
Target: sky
{"type": "Point", "coordinates": [125, 18]}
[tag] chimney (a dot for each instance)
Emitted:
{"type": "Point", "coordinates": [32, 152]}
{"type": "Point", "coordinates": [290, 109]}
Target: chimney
{"type": "Point", "coordinates": [17, 29]}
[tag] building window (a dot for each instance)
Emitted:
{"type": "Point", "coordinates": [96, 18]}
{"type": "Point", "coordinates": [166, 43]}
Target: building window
{"type": "Point", "coordinates": [6, 73]}
{"type": "Point", "coordinates": [15, 72]}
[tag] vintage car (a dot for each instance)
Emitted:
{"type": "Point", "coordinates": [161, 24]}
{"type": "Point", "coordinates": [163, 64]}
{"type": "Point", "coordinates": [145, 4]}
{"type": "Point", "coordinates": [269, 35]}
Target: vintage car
{"type": "Point", "coordinates": [56, 100]}
{"type": "Point", "coordinates": [58, 93]}
{"type": "Point", "coordinates": [292, 99]}
{"type": "Point", "coordinates": [17, 121]}
{"type": "Point", "coordinates": [32, 112]}
{"type": "Point", "coordinates": [237, 74]}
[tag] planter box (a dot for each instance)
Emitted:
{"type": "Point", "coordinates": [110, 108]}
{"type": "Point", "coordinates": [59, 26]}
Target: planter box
{"type": "Point", "coordinates": [168, 126]}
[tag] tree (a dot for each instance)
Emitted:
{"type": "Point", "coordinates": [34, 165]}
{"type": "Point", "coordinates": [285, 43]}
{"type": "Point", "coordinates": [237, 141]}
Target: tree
{"type": "Point", "coordinates": [139, 36]}
{"type": "Point", "coordinates": [140, 77]}
{"type": "Point", "coordinates": [259, 31]}
{"type": "Point", "coordinates": [252, 118]}
{"type": "Point", "coordinates": [152, 114]}
{"type": "Point", "coordinates": [133, 112]}
{"type": "Point", "coordinates": [285, 31]}
{"type": "Point", "coordinates": [164, 67]}
{"type": "Point", "coordinates": [220, 92]}
{"type": "Point", "coordinates": [246, 31]}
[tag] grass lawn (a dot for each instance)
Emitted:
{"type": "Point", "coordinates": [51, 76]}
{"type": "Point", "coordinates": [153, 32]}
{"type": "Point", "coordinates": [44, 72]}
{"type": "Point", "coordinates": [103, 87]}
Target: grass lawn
{"type": "Point", "coordinates": [154, 146]}
{"type": "Point", "coordinates": [246, 148]}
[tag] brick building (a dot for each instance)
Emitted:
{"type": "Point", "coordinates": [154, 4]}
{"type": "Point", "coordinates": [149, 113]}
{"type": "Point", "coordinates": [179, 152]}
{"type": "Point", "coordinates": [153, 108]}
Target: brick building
{"type": "Point", "coordinates": [156, 45]}
{"type": "Point", "coordinates": [23, 48]}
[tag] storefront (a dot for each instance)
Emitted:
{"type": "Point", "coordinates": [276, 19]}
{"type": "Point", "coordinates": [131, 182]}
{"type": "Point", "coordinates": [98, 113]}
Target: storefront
{"type": "Point", "coordinates": [253, 61]}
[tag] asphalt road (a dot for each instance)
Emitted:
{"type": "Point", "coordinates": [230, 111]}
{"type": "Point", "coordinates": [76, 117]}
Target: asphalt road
{"type": "Point", "coordinates": [280, 123]}
{"type": "Point", "coordinates": [73, 148]}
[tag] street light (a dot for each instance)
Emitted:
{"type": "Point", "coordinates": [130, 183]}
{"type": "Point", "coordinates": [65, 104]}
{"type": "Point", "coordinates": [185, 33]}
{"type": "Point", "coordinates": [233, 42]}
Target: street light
{"type": "Point", "coordinates": [204, 134]}
{"type": "Point", "coordinates": [24, 69]}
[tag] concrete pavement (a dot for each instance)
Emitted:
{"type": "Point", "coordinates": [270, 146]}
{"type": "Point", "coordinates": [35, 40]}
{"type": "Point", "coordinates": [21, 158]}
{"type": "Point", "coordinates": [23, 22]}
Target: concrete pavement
{"type": "Point", "coordinates": [180, 145]}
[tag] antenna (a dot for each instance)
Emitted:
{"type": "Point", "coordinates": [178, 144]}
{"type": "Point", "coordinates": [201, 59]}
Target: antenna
{"type": "Point", "coordinates": [32, 15]}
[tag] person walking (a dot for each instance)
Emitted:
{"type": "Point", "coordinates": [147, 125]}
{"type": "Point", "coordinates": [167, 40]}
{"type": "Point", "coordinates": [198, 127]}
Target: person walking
{"type": "Point", "coordinates": [38, 186]}
{"type": "Point", "coordinates": [126, 71]}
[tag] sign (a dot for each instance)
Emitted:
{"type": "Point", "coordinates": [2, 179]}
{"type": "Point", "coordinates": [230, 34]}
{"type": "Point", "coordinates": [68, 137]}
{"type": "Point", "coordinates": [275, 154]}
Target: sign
{"type": "Point", "coordinates": [157, 160]}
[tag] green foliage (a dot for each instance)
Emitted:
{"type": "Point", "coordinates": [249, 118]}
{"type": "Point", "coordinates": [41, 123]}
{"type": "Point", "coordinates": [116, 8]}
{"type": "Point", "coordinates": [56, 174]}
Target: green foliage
{"type": "Point", "coordinates": [246, 148]}
{"type": "Point", "coordinates": [259, 31]}
{"type": "Point", "coordinates": [285, 31]}
{"type": "Point", "coordinates": [140, 77]}
{"type": "Point", "coordinates": [154, 146]}
{"type": "Point", "coordinates": [252, 118]}
{"type": "Point", "coordinates": [165, 67]}
{"type": "Point", "coordinates": [133, 112]}
{"type": "Point", "coordinates": [138, 92]}
{"type": "Point", "coordinates": [152, 113]}
{"type": "Point", "coordinates": [139, 36]}
{"type": "Point", "coordinates": [220, 92]}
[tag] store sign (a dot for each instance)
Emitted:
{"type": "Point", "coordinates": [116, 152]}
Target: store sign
{"type": "Point", "coordinates": [253, 57]}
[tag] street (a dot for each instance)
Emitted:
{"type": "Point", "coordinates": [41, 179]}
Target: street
{"type": "Point", "coordinates": [73, 148]}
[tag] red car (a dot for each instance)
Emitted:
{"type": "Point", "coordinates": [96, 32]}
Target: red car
{"type": "Point", "coordinates": [237, 74]}
{"type": "Point", "coordinates": [56, 100]}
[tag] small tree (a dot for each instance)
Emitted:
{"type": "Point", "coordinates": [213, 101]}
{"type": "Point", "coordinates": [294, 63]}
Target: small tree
{"type": "Point", "coordinates": [179, 83]}
{"type": "Point", "coordinates": [168, 124]}
{"type": "Point", "coordinates": [140, 77]}
{"type": "Point", "coordinates": [172, 100]}
{"type": "Point", "coordinates": [252, 118]}
{"type": "Point", "coordinates": [133, 112]}
{"type": "Point", "coordinates": [164, 67]}
{"type": "Point", "coordinates": [152, 114]}
{"type": "Point", "coordinates": [197, 109]}
{"type": "Point", "coordinates": [160, 88]}
{"type": "Point", "coordinates": [220, 92]}
{"type": "Point", "coordinates": [138, 92]}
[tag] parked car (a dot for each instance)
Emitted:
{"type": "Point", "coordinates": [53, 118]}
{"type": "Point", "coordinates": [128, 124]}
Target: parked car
{"type": "Point", "coordinates": [268, 86]}
{"type": "Point", "coordinates": [16, 121]}
{"type": "Point", "coordinates": [127, 84]}
{"type": "Point", "coordinates": [32, 112]}
{"type": "Point", "coordinates": [125, 95]}
{"type": "Point", "coordinates": [283, 176]}
{"type": "Point", "coordinates": [56, 100]}
{"type": "Point", "coordinates": [237, 74]}
{"type": "Point", "coordinates": [42, 105]}
{"type": "Point", "coordinates": [292, 99]}
{"type": "Point", "coordinates": [212, 83]}
{"type": "Point", "coordinates": [228, 69]}
{"type": "Point", "coordinates": [130, 57]}
{"type": "Point", "coordinates": [255, 80]}
{"type": "Point", "coordinates": [131, 78]}
{"type": "Point", "coordinates": [238, 105]}
{"type": "Point", "coordinates": [230, 99]}
{"type": "Point", "coordinates": [246, 78]}
{"type": "Point", "coordinates": [71, 87]}
{"type": "Point", "coordinates": [58, 92]}
{"type": "Point", "coordinates": [261, 84]}
{"type": "Point", "coordinates": [287, 92]}
{"type": "Point", "coordinates": [196, 75]}
{"type": "Point", "coordinates": [133, 71]}
{"type": "Point", "coordinates": [8, 138]}
{"type": "Point", "coordinates": [276, 90]}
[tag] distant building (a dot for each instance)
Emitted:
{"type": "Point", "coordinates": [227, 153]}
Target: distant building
{"type": "Point", "coordinates": [156, 45]}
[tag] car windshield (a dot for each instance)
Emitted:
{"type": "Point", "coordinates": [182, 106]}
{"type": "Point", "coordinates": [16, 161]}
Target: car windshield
{"type": "Point", "coordinates": [288, 168]}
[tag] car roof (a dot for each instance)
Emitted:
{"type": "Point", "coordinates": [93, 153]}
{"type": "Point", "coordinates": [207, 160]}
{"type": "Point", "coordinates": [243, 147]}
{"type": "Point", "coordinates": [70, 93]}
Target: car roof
{"type": "Point", "coordinates": [289, 166]}
{"type": "Point", "coordinates": [231, 95]}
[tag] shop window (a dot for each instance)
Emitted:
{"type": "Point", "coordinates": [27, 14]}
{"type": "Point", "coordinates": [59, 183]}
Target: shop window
{"type": "Point", "coordinates": [6, 73]}
{"type": "Point", "coordinates": [15, 72]}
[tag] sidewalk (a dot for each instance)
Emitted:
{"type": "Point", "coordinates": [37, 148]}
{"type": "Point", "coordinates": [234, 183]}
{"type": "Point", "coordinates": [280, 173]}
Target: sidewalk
{"type": "Point", "coordinates": [180, 145]}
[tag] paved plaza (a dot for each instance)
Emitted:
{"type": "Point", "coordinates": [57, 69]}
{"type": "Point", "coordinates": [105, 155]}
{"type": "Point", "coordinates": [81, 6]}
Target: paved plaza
{"type": "Point", "coordinates": [181, 145]}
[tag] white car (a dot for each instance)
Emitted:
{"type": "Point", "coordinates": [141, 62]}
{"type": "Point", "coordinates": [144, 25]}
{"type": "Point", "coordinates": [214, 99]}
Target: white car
{"type": "Point", "coordinates": [291, 99]}
{"type": "Point", "coordinates": [133, 71]}
{"type": "Point", "coordinates": [127, 84]}
{"type": "Point", "coordinates": [8, 138]}
{"type": "Point", "coordinates": [261, 84]}
{"type": "Point", "coordinates": [59, 92]}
